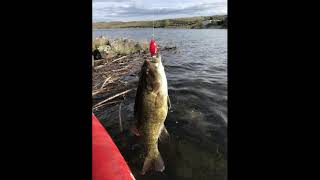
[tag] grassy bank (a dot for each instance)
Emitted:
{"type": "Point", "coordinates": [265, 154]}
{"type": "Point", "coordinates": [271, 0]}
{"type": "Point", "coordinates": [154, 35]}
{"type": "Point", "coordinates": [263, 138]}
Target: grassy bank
{"type": "Point", "coordinates": [198, 22]}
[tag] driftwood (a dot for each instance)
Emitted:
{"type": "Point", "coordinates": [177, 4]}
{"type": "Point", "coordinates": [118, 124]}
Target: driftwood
{"type": "Point", "coordinates": [120, 121]}
{"type": "Point", "coordinates": [101, 66]}
{"type": "Point", "coordinates": [123, 82]}
{"type": "Point", "coordinates": [112, 97]}
{"type": "Point", "coordinates": [119, 59]}
{"type": "Point", "coordinates": [98, 62]}
{"type": "Point", "coordinates": [99, 91]}
{"type": "Point", "coordinates": [125, 68]}
{"type": "Point", "coordinates": [111, 76]}
{"type": "Point", "coordinates": [95, 92]}
{"type": "Point", "coordinates": [107, 79]}
{"type": "Point", "coordinates": [113, 102]}
{"type": "Point", "coordinates": [96, 85]}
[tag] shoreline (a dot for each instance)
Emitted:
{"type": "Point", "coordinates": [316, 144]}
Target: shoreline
{"type": "Point", "coordinates": [94, 29]}
{"type": "Point", "coordinates": [198, 22]}
{"type": "Point", "coordinates": [115, 71]}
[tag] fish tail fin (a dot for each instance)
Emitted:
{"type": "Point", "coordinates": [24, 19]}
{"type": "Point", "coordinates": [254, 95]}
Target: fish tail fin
{"type": "Point", "coordinates": [155, 163]}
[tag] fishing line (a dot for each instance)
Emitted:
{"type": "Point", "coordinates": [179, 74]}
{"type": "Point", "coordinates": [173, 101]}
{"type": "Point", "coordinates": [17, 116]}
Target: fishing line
{"type": "Point", "coordinates": [153, 24]}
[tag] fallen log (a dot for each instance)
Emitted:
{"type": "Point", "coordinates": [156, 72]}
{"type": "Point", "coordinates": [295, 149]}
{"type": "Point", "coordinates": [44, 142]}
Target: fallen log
{"type": "Point", "coordinates": [113, 102]}
{"type": "Point", "coordinates": [112, 97]}
{"type": "Point", "coordinates": [120, 121]}
{"type": "Point", "coordinates": [99, 91]}
{"type": "Point", "coordinates": [101, 66]}
{"type": "Point", "coordinates": [104, 83]}
{"type": "Point", "coordinates": [119, 59]}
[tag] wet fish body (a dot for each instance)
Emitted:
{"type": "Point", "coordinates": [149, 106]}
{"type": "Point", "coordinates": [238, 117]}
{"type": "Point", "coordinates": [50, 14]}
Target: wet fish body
{"type": "Point", "coordinates": [150, 111]}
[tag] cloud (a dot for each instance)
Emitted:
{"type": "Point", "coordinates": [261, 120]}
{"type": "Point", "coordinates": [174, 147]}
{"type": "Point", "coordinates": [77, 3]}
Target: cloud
{"type": "Point", "coordinates": [121, 10]}
{"type": "Point", "coordinates": [110, 1]}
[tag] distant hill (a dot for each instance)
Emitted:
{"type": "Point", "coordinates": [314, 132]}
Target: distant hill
{"type": "Point", "coordinates": [199, 22]}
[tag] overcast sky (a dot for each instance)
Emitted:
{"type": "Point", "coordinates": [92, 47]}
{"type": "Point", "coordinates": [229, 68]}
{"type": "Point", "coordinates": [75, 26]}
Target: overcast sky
{"type": "Point", "coordinates": [131, 10]}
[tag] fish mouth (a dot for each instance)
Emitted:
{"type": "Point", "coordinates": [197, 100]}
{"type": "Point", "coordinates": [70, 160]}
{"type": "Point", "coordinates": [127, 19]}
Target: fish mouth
{"type": "Point", "coordinates": [154, 60]}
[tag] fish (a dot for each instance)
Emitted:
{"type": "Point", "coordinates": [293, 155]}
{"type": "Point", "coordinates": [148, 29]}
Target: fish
{"type": "Point", "coordinates": [150, 111]}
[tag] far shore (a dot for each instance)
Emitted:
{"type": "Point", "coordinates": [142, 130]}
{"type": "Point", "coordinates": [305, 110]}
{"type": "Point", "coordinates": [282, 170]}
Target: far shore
{"type": "Point", "coordinates": [199, 22]}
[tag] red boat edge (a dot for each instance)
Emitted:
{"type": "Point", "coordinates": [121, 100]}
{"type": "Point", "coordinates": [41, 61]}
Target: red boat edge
{"type": "Point", "coordinates": [107, 161]}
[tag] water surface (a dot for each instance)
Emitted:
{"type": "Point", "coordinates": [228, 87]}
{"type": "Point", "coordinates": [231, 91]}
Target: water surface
{"type": "Point", "coordinates": [197, 82]}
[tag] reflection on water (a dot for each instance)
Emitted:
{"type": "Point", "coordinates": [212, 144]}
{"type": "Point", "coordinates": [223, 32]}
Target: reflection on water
{"type": "Point", "coordinates": [197, 80]}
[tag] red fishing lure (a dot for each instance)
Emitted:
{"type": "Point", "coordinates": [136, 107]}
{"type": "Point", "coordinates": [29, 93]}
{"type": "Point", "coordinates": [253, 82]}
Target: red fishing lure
{"type": "Point", "coordinates": [153, 47]}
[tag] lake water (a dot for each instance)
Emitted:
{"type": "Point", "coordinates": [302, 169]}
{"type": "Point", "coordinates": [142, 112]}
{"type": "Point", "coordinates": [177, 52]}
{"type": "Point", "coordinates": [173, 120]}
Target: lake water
{"type": "Point", "coordinates": [197, 82]}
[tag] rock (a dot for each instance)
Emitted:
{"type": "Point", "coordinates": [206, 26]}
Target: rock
{"type": "Point", "coordinates": [107, 49]}
{"type": "Point", "coordinates": [110, 55]}
{"type": "Point", "coordinates": [104, 48]}
{"type": "Point", "coordinates": [96, 54]}
{"type": "Point", "coordinates": [100, 41]}
{"type": "Point", "coordinates": [138, 47]}
{"type": "Point", "coordinates": [123, 47]}
{"type": "Point", "coordinates": [100, 48]}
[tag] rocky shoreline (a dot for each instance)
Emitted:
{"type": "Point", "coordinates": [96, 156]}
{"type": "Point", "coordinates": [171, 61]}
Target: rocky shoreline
{"type": "Point", "coordinates": [120, 61]}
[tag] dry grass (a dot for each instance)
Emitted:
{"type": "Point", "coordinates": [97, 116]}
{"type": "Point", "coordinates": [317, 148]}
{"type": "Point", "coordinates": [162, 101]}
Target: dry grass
{"type": "Point", "coordinates": [109, 87]}
{"type": "Point", "coordinates": [108, 84]}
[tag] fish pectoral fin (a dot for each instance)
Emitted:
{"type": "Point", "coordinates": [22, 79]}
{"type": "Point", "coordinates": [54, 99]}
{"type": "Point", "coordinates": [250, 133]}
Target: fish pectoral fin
{"type": "Point", "coordinates": [164, 135]}
{"type": "Point", "coordinates": [135, 131]}
{"type": "Point", "coordinates": [153, 163]}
